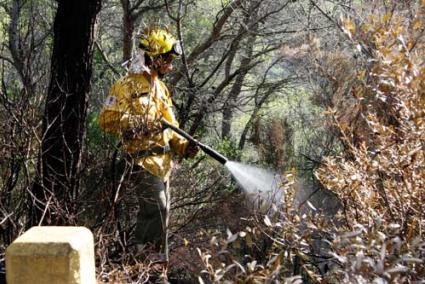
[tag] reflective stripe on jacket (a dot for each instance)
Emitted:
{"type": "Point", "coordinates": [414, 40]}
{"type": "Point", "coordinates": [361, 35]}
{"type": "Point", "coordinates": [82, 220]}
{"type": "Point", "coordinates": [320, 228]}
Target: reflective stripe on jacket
{"type": "Point", "coordinates": [135, 105]}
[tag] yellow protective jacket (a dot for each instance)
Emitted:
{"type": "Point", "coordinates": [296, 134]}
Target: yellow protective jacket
{"type": "Point", "coordinates": [135, 105]}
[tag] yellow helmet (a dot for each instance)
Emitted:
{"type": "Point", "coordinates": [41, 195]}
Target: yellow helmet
{"type": "Point", "coordinates": [158, 41]}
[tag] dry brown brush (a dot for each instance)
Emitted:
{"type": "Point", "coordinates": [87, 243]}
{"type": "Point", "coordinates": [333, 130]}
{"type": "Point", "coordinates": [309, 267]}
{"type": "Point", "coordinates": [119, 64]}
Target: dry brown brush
{"type": "Point", "coordinates": [381, 178]}
{"type": "Point", "coordinates": [378, 235]}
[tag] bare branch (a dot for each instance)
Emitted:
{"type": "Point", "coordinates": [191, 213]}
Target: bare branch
{"type": "Point", "coordinates": [105, 58]}
{"type": "Point", "coordinates": [213, 37]}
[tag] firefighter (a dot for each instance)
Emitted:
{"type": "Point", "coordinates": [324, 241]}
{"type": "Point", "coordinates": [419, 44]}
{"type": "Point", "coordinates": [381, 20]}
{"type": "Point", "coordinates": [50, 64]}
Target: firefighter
{"type": "Point", "coordinates": [132, 111]}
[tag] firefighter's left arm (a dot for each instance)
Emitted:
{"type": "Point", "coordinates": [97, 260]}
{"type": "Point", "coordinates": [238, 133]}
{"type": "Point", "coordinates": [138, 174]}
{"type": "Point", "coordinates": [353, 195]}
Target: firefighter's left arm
{"type": "Point", "coordinates": [177, 143]}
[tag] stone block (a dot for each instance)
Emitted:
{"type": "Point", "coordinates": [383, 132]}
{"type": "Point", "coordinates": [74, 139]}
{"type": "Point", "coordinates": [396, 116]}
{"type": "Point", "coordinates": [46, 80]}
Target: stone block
{"type": "Point", "coordinates": [50, 255]}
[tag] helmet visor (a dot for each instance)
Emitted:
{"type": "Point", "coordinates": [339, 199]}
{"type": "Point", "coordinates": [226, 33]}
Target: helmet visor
{"type": "Point", "coordinates": [177, 48]}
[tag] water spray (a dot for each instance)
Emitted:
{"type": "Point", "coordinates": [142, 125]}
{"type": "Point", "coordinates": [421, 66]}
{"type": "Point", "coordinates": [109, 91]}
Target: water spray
{"type": "Point", "coordinates": [207, 149]}
{"type": "Point", "coordinates": [258, 184]}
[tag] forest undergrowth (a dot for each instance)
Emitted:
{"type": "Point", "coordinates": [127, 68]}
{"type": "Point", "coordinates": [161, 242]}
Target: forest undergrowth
{"type": "Point", "coordinates": [378, 234]}
{"type": "Point", "coordinates": [334, 104]}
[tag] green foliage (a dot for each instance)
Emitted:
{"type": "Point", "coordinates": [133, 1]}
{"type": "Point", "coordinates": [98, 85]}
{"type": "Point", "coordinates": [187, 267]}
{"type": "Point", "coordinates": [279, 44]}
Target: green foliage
{"type": "Point", "coordinates": [229, 149]}
{"type": "Point", "coordinates": [199, 21]}
{"type": "Point", "coordinates": [293, 125]}
{"type": "Point", "coordinates": [4, 22]}
{"type": "Point", "coordinates": [96, 138]}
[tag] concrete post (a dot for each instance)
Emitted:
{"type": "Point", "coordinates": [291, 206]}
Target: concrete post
{"type": "Point", "coordinates": [51, 255]}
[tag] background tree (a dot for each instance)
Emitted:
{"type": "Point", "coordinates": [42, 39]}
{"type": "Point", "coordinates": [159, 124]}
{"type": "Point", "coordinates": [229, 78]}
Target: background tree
{"type": "Point", "coordinates": [132, 12]}
{"type": "Point", "coordinates": [26, 30]}
{"type": "Point", "coordinates": [65, 112]}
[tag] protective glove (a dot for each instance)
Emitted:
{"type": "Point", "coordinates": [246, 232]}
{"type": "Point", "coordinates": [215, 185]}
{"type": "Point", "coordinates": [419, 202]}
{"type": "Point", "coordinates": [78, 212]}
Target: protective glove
{"type": "Point", "coordinates": [191, 150]}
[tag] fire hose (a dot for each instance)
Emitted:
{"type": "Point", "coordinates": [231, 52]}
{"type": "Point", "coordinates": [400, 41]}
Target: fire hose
{"type": "Point", "coordinates": [205, 148]}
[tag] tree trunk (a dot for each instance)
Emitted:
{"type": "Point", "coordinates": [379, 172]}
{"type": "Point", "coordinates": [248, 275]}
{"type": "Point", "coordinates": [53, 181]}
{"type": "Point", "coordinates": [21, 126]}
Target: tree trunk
{"type": "Point", "coordinates": [230, 104]}
{"type": "Point", "coordinates": [128, 31]}
{"type": "Point", "coordinates": [250, 23]}
{"type": "Point", "coordinates": [65, 111]}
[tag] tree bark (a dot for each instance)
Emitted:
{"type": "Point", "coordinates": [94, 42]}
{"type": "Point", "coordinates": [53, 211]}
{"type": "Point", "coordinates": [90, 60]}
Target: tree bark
{"type": "Point", "coordinates": [230, 104]}
{"type": "Point", "coordinates": [65, 111]}
{"type": "Point", "coordinates": [128, 30]}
